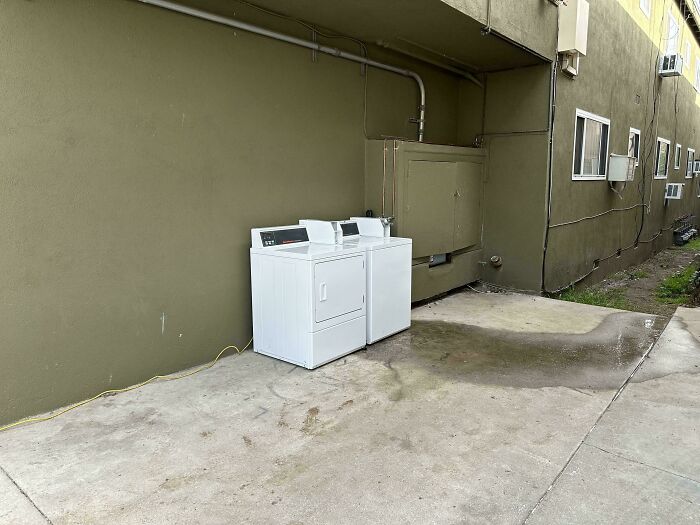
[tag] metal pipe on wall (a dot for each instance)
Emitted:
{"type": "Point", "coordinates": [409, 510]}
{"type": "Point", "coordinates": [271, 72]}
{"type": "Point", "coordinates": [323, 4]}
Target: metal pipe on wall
{"type": "Point", "coordinates": [243, 26]}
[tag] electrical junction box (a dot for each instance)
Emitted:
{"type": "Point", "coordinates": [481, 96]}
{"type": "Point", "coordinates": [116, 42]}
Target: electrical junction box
{"type": "Point", "coordinates": [435, 194]}
{"type": "Point", "coordinates": [671, 66]}
{"type": "Point", "coordinates": [621, 168]}
{"type": "Point", "coordinates": [573, 27]}
{"type": "Point", "coordinates": [674, 191]}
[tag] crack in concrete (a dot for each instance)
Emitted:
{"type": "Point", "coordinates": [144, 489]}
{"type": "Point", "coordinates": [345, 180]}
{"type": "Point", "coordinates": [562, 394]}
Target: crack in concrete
{"type": "Point", "coordinates": [643, 464]}
{"type": "Point", "coordinates": [22, 491]}
{"type": "Point", "coordinates": [585, 437]}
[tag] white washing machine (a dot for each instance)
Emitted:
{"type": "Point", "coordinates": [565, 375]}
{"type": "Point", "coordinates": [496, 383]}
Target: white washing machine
{"type": "Point", "coordinates": [308, 297]}
{"type": "Point", "coordinates": [388, 273]}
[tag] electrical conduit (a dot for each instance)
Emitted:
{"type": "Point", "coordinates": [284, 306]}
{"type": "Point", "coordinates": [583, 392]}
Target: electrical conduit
{"type": "Point", "coordinates": [243, 26]}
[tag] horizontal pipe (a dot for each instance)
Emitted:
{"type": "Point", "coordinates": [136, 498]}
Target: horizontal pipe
{"type": "Point", "coordinates": [464, 74]}
{"type": "Point", "coordinates": [333, 51]}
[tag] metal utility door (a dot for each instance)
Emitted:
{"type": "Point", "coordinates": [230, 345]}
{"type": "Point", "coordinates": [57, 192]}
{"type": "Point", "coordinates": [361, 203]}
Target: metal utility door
{"type": "Point", "coordinates": [339, 287]}
{"type": "Point", "coordinates": [467, 219]}
{"type": "Point", "coordinates": [429, 206]}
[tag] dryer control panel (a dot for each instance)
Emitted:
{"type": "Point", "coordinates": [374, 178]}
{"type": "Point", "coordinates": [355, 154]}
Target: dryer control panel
{"type": "Point", "coordinates": [269, 237]}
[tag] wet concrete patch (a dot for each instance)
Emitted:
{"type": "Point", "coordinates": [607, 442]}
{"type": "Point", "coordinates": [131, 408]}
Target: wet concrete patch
{"type": "Point", "coordinates": [599, 359]}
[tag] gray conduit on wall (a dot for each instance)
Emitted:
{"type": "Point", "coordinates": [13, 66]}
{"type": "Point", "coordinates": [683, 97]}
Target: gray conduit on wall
{"type": "Point", "coordinates": [332, 51]}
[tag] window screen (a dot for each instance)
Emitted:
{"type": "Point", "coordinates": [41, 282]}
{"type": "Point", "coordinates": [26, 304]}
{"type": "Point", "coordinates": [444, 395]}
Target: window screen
{"type": "Point", "coordinates": [662, 156]}
{"type": "Point", "coordinates": [590, 146]}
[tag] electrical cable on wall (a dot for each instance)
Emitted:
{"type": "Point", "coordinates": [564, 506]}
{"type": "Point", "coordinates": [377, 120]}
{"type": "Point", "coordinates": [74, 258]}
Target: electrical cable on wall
{"type": "Point", "coordinates": [650, 130]}
{"type": "Point", "coordinates": [39, 419]}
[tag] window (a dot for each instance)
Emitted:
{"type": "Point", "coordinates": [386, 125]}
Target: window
{"type": "Point", "coordinates": [663, 148]}
{"type": "Point", "coordinates": [677, 157]}
{"type": "Point", "coordinates": [673, 35]}
{"type": "Point", "coordinates": [645, 6]}
{"type": "Point", "coordinates": [590, 146]}
{"type": "Point", "coordinates": [633, 145]}
{"type": "Point", "coordinates": [690, 160]}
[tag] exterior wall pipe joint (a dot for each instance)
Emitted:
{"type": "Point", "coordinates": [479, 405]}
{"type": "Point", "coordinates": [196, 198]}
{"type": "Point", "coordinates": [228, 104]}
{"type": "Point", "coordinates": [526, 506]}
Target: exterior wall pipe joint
{"type": "Point", "coordinates": [333, 51]}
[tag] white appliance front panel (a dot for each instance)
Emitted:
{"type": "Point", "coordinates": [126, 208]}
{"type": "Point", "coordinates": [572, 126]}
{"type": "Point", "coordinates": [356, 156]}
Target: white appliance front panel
{"type": "Point", "coordinates": [389, 291]}
{"type": "Point", "coordinates": [339, 287]}
{"type": "Point", "coordinates": [280, 308]}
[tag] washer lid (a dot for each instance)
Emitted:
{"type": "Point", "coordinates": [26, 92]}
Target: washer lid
{"type": "Point", "coordinates": [376, 243]}
{"type": "Point", "coordinates": [311, 251]}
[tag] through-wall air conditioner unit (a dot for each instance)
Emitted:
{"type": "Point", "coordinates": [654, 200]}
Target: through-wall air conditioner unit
{"type": "Point", "coordinates": [671, 65]}
{"type": "Point", "coordinates": [674, 190]}
{"type": "Point", "coordinates": [621, 168]}
{"type": "Point", "coordinates": [696, 167]}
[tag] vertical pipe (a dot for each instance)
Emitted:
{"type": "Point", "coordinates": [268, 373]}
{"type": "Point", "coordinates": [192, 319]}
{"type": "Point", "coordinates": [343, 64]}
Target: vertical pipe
{"type": "Point", "coordinates": [384, 179]}
{"type": "Point", "coordinates": [393, 184]}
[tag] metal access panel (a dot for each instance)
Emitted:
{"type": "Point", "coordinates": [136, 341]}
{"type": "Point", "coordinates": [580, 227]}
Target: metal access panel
{"type": "Point", "coordinates": [429, 206]}
{"type": "Point", "coordinates": [435, 193]}
{"type": "Point", "coordinates": [467, 215]}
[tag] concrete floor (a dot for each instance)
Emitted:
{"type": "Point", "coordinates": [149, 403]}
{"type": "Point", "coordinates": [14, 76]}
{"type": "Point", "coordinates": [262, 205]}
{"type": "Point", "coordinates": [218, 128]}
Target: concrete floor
{"type": "Point", "coordinates": [487, 410]}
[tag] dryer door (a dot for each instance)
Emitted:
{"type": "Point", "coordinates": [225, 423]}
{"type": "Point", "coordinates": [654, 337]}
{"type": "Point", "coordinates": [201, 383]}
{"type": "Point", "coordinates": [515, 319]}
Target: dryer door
{"type": "Point", "coordinates": [339, 287]}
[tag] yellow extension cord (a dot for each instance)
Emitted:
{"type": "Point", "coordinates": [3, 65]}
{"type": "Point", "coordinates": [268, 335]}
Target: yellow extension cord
{"type": "Point", "coordinates": [118, 390]}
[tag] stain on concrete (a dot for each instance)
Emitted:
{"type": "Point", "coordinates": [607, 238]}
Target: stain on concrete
{"type": "Point", "coordinates": [404, 443]}
{"type": "Point", "coordinates": [311, 420]}
{"type": "Point", "coordinates": [205, 434]}
{"type": "Point", "coordinates": [346, 404]}
{"type": "Point", "coordinates": [248, 442]}
{"type": "Point", "coordinates": [599, 359]}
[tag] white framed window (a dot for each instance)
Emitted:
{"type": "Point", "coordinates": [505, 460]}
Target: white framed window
{"type": "Point", "coordinates": [689, 161]}
{"type": "Point", "coordinates": [673, 37]}
{"type": "Point", "coordinates": [645, 6]}
{"type": "Point", "coordinates": [663, 150]}
{"type": "Point", "coordinates": [677, 157]}
{"type": "Point", "coordinates": [633, 145]}
{"type": "Point", "coordinates": [591, 138]}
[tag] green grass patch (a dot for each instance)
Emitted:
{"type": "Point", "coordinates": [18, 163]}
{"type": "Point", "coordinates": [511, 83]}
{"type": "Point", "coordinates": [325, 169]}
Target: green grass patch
{"type": "Point", "coordinates": [607, 298]}
{"type": "Point", "coordinates": [676, 288]}
{"type": "Point", "coordinates": [692, 246]}
{"type": "Point", "coordinates": [637, 274]}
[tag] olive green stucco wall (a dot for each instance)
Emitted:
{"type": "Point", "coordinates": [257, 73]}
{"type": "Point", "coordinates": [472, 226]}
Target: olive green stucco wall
{"type": "Point", "coordinates": [530, 23]}
{"type": "Point", "coordinates": [139, 148]}
{"type": "Point", "coordinates": [615, 81]}
{"type": "Point", "coordinates": [515, 192]}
